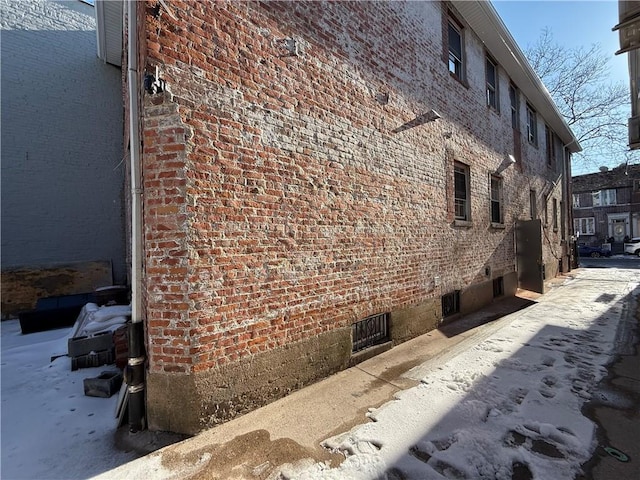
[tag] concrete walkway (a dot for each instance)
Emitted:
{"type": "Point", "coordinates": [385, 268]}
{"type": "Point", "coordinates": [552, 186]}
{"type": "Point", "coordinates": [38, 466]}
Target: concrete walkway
{"type": "Point", "coordinates": [291, 429]}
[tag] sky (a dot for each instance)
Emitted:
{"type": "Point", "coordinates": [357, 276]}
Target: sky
{"type": "Point", "coordinates": [574, 24]}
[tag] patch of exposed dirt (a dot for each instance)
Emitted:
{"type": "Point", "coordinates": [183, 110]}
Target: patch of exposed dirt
{"type": "Point", "coordinates": [251, 456]}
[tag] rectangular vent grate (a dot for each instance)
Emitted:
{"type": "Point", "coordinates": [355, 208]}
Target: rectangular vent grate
{"type": "Point", "coordinates": [451, 303]}
{"type": "Point", "coordinates": [371, 331]}
{"type": "Point", "coordinates": [498, 287]}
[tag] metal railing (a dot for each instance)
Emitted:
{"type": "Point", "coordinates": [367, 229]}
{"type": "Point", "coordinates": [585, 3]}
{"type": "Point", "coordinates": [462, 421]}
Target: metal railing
{"type": "Point", "coordinates": [370, 331]}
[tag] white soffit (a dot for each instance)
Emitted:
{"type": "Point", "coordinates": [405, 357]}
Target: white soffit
{"type": "Point", "coordinates": [109, 30]}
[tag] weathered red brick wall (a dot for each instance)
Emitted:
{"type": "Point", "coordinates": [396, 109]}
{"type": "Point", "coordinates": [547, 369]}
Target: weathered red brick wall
{"type": "Point", "coordinates": [279, 201]}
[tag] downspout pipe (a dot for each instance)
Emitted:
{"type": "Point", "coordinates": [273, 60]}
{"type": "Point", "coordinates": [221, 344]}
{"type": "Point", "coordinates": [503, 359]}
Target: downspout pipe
{"type": "Point", "coordinates": [136, 361]}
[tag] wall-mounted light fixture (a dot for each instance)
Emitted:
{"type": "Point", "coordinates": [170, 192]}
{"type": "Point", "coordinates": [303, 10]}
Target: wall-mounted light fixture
{"type": "Point", "coordinates": [511, 158]}
{"type": "Point", "coordinates": [430, 116]}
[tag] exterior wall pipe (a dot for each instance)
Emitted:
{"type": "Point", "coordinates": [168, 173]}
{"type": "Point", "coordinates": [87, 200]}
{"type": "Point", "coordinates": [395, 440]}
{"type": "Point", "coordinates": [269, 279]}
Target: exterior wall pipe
{"type": "Point", "coordinates": [136, 361]}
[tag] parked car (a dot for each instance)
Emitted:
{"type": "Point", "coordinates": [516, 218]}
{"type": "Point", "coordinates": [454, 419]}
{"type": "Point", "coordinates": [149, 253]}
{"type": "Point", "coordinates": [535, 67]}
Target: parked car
{"type": "Point", "coordinates": [633, 246]}
{"type": "Point", "coordinates": [587, 251]}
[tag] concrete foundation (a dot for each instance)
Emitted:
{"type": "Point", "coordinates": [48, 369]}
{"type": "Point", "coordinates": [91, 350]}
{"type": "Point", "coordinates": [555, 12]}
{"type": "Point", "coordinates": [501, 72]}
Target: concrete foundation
{"type": "Point", "coordinates": [190, 403]}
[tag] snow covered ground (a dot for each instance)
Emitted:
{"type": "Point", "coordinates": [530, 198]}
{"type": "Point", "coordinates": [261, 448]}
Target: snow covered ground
{"type": "Point", "coordinates": [50, 429]}
{"type": "Point", "coordinates": [510, 406]}
{"type": "Point", "coordinates": [511, 403]}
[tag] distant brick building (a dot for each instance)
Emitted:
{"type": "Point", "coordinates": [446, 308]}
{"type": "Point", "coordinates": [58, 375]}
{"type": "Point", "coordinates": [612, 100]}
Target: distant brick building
{"type": "Point", "coordinates": [606, 206]}
{"type": "Point", "coordinates": [321, 181]}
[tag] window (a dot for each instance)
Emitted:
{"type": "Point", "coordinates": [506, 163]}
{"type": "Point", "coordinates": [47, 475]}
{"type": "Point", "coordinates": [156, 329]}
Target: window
{"type": "Point", "coordinates": [450, 303]}
{"type": "Point", "coordinates": [532, 125]}
{"type": "Point", "coordinates": [555, 215]}
{"type": "Point", "coordinates": [369, 332]}
{"type": "Point", "coordinates": [584, 226]}
{"type": "Point", "coordinates": [455, 49]}
{"type": "Point", "coordinates": [461, 186]}
{"type": "Point", "coordinates": [492, 83]}
{"type": "Point", "coordinates": [576, 200]}
{"type": "Point", "coordinates": [496, 199]}
{"type": "Point", "coordinates": [602, 198]}
{"type": "Point", "coordinates": [533, 210]}
{"type": "Point", "coordinates": [515, 106]}
{"type": "Point", "coordinates": [551, 151]}
{"type": "Point", "coordinates": [498, 287]}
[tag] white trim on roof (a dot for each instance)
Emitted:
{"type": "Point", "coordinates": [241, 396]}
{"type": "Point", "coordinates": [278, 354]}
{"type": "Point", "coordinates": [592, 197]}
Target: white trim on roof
{"type": "Point", "coordinates": [483, 19]}
{"type": "Point", "coordinates": [109, 16]}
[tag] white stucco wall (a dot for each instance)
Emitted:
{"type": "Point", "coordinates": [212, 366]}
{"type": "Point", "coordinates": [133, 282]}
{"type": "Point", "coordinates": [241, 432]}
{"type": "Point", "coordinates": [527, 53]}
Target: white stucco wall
{"type": "Point", "coordinates": [62, 169]}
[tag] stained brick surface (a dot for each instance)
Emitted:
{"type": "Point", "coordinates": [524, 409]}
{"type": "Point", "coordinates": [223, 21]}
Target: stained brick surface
{"type": "Point", "coordinates": [280, 203]}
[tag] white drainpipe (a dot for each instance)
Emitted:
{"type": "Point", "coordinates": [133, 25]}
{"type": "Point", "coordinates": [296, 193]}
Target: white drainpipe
{"type": "Point", "coordinates": [136, 367]}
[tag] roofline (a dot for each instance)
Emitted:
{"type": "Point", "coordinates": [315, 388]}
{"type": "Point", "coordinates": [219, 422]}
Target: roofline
{"type": "Point", "coordinates": [483, 19]}
{"type": "Point", "coordinates": [109, 30]}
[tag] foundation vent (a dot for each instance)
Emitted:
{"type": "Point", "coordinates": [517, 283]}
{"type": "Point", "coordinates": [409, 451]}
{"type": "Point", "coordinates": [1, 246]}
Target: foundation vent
{"type": "Point", "coordinates": [451, 303]}
{"type": "Point", "coordinates": [371, 331]}
{"type": "Point", "coordinates": [498, 287]}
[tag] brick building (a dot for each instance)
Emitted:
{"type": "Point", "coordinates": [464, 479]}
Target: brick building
{"type": "Point", "coordinates": [307, 166]}
{"type": "Point", "coordinates": [63, 222]}
{"type": "Point", "coordinates": [606, 206]}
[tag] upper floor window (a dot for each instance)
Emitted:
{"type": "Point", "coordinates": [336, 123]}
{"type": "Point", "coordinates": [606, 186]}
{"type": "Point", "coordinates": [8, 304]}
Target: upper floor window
{"type": "Point", "coordinates": [551, 150]}
{"type": "Point", "coordinates": [576, 200]}
{"type": "Point", "coordinates": [456, 59]}
{"type": "Point", "coordinates": [602, 198]}
{"type": "Point", "coordinates": [461, 194]}
{"type": "Point", "coordinates": [532, 125]}
{"type": "Point", "coordinates": [515, 106]}
{"type": "Point", "coordinates": [492, 83]}
{"type": "Point", "coordinates": [496, 199]}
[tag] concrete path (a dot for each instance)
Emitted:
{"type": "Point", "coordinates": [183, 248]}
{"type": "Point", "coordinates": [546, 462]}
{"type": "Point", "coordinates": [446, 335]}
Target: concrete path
{"type": "Point", "coordinates": [290, 430]}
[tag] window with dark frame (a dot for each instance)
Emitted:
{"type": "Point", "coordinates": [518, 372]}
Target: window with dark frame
{"type": "Point", "coordinates": [496, 199]}
{"type": "Point", "coordinates": [533, 210]}
{"type": "Point", "coordinates": [532, 125]}
{"type": "Point", "coordinates": [456, 59]}
{"type": "Point", "coordinates": [461, 194]}
{"type": "Point", "coordinates": [498, 287]}
{"type": "Point", "coordinates": [450, 303]}
{"type": "Point", "coordinates": [551, 151]}
{"type": "Point", "coordinates": [491, 71]}
{"type": "Point", "coordinates": [369, 332]}
{"type": "Point", "coordinates": [515, 106]}
{"type": "Point", "coordinates": [555, 214]}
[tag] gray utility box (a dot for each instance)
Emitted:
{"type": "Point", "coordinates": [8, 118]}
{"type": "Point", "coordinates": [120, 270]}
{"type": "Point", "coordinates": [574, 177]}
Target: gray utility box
{"type": "Point", "coordinates": [84, 345]}
{"type": "Point", "coordinates": [104, 385]}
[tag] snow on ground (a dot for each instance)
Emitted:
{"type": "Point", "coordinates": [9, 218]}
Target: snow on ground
{"type": "Point", "coordinates": [50, 429]}
{"type": "Point", "coordinates": [511, 403]}
{"type": "Point", "coordinates": [510, 406]}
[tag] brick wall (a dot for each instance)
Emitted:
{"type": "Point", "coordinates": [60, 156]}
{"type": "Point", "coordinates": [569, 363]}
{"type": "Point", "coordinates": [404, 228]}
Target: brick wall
{"type": "Point", "coordinates": [289, 195]}
{"type": "Point", "coordinates": [624, 180]}
{"type": "Point", "coordinates": [62, 169]}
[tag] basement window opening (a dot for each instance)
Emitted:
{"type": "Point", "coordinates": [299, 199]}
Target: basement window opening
{"type": "Point", "coordinates": [498, 287]}
{"type": "Point", "coordinates": [451, 303]}
{"type": "Point", "coordinates": [369, 332]}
